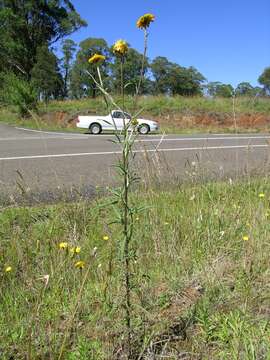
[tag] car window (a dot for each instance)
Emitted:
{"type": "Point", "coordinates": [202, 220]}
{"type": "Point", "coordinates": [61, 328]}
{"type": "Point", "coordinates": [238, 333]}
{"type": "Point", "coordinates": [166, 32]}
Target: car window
{"type": "Point", "coordinates": [117, 114]}
{"type": "Point", "coordinates": [121, 115]}
{"type": "Point", "coordinates": [127, 116]}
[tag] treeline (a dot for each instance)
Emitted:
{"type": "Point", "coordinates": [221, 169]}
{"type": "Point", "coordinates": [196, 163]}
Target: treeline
{"type": "Point", "coordinates": [30, 70]}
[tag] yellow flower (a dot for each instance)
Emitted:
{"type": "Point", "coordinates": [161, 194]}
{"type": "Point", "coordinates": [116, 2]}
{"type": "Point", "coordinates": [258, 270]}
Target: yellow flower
{"type": "Point", "coordinates": [145, 20]}
{"type": "Point", "coordinates": [105, 237]}
{"type": "Point", "coordinates": [75, 250]}
{"type": "Point", "coordinates": [261, 195]}
{"type": "Point", "coordinates": [63, 245]}
{"type": "Point", "coordinates": [134, 122]}
{"type": "Point", "coordinates": [8, 269]}
{"type": "Point", "coordinates": [96, 58]}
{"type": "Point", "coordinates": [120, 47]}
{"type": "Point", "coordinates": [245, 238]}
{"type": "Point", "coordinates": [80, 264]}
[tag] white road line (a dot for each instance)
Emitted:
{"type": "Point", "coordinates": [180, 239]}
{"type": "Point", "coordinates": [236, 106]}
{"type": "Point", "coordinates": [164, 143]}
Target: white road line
{"type": "Point", "coordinates": [154, 139]}
{"type": "Point", "coordinates": [42, 138]}
{"type": "Point", "coordinates": [135, 151]}
{"type": "Point", "coordinates": [64, 133]}
{"type": "Point", "coordinates": [46, 132]}
{"type": "Point", "coordinates": [207, 138]}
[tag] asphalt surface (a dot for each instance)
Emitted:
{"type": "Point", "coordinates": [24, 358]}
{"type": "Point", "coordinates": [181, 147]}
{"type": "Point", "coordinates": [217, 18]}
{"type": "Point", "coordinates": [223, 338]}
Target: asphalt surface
{"type": "Point", "coordinates": [44, 162]}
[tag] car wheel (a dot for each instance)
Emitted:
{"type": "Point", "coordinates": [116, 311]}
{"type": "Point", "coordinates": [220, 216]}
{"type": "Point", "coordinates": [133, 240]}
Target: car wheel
{"type": "Point", "coordinates": [95, 129]}
{"type": "Point", "coordinates": [144, 129]}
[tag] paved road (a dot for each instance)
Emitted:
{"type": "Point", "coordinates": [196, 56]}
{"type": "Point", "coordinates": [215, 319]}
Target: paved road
{"type": "Point", "coordinates": [45, 161]}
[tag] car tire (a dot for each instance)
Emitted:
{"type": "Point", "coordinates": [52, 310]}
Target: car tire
{"type": "Point", "coordinates": [143, 129]}
{"type": "Point", "coordinates": [95, 129]}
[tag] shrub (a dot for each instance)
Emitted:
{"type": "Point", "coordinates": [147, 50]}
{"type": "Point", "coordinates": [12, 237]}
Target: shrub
{"type": "Point", "coordinates": [19, 93]}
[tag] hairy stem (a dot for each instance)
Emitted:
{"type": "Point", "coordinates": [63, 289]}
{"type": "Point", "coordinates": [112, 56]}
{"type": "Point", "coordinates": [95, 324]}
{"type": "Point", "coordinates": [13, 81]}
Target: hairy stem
{"type": "Point", "coordinates": [142, 68]}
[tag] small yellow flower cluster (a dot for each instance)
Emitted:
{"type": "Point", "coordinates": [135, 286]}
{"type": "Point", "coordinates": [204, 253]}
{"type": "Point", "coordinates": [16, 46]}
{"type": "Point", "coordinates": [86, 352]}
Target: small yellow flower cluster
{"type": "Point", "coordinates": [75, 250]}
{"type": "Point", "coordinates": [134, 122]}
{"type": "Point", "coordinates": [145, 21]}
{"type": "Point", "coordinates": [63, 245]}
{"type": "Point", "coordinates": [8, 269]}
{"type": "Point", "coordinates": [120, 48]}
{"type": "Point", "coordinates": [96, 59]}
{"type": "Point", "coordinates": [106, 237]}
{"type": "Point", "coordinates": [245, 238]}
{"type": "Point", "coordinates": [72, 250]}
{"type": "Point", "coordinates": [80, 265]}
{"type": "Point", "coordinates": [261, 195]}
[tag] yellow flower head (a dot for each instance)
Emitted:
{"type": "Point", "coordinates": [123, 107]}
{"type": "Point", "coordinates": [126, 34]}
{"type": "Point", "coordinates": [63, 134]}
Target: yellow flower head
{"type": "Point", "coordinates": [75, 250]}
{"type": "Point", "coordinates": [96, 58]}
{"type": "Point", "coordinates": [145, 20]}
{"type": "Point", "coordinates": [63, 245]}
{"type": "Point", "coordinates": [80, 264]}
{"type": "Point", "coordinates": [8, 269]}
{"type": "Point", "coordinates": [134, 122]}
{"type": "Point", "coordinates": [105, 237]}
{"type": "Point", "coordinates": [245, 238]}
{"type": "Point", "coordinates": [261, 195]}
{"type": "Point", "coordinates": [120, 47]}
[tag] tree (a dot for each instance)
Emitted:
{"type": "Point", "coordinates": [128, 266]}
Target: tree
{"type": "Point", "coordinates": [244, 89]}
{"type": "Point", "coordinates": [264, 80]}
{"type": "Point", "coordinates": [131, 73]}
{"type": "Point", "coordinates": [68, 49]}
{"type": "Point", "coordinates": [217, 89]}
{"type": "Point", "coordinates": [185, 81]}
{"type": "Point", "coordinates": [81, 82]}
{"type": "Point", "coordinates": [171, 78]}
{"type": "Point", "coordinates": [160, 68]}
{"type": "Point", "coordinates": [45, 75]}
{"type": "Point", "coordinates": [25, 25]}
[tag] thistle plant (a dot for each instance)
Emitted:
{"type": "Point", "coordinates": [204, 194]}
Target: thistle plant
{"type": "Point", "coordinates": [121, 202]}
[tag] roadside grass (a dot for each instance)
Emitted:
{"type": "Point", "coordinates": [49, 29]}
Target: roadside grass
{"type": "Point", "coordinates": [175, 114]}
{"type": "Point", "coordinates": [201, 290]}
{"type": "Point", "coordinates": [162, 105]}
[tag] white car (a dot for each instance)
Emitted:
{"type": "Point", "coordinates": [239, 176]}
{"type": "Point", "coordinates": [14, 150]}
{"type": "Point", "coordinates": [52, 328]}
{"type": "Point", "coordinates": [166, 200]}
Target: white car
{"type": "Point", "coordinates": [115, 120]}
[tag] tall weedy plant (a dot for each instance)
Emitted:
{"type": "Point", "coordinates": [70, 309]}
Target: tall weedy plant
{"type": "Point", "coordinates": [121, 197]}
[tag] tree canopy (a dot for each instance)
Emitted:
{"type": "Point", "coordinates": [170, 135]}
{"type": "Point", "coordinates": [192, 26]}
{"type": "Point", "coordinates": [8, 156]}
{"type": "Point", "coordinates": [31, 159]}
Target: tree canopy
{"type": "Point", "coordinates": [26, 25]}
{"type": "Point", "coordinates": [264, 79]}
{"type": "Point", "coordinates": [171, 78]}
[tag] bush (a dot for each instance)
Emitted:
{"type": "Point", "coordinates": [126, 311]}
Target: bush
{"type": "Point", "coordinates": [19, 93]}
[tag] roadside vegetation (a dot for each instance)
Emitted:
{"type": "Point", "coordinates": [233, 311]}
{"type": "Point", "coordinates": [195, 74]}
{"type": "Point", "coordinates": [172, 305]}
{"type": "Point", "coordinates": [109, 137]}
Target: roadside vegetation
{"type": "Point", "coordinates": [200, 276]}
{"type": "Point", "coordinates": [175, 114]}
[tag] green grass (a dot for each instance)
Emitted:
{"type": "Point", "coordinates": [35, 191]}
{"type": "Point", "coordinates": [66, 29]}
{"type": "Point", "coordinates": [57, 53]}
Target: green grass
{"type": "Point", "coordinates": [189, 238]}
{"type": "Point", "coordinates": [161, 105]}
{"type": "Point", "coordinates": [175, 114]}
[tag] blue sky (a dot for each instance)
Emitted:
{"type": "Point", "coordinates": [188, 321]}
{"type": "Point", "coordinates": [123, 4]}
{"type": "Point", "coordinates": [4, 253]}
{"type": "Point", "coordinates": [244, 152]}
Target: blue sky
{"type": "Point", "coordinates": [226, 40]}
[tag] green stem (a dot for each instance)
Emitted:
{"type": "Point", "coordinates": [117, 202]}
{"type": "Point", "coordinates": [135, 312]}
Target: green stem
{"type": "Point", "coordinates": [122, 83]}
{"type": "Point", "coordinates": [142, 68]}
{"type": "Point", "coordinates": [126, 248]}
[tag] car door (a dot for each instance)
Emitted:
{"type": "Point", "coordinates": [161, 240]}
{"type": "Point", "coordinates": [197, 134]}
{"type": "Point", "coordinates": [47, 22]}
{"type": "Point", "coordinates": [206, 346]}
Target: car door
{"type": "Point", "coordinates": [120, 119]}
